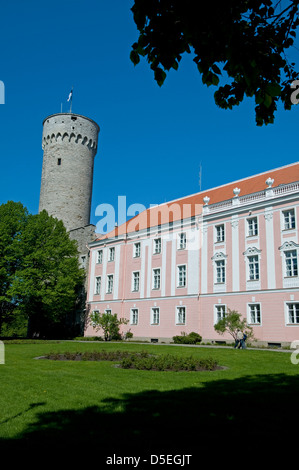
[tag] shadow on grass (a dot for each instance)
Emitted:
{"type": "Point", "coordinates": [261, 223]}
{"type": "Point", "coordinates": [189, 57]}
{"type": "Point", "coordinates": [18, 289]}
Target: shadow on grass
{"type": "Point", "coordinates": [248, 415]}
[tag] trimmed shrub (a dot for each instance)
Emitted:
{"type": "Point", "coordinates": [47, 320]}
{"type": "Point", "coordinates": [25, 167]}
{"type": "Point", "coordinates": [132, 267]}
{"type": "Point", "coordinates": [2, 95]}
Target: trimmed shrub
{"type": "Point", "coordinates": [140, 360]}
{"type": "Point", "coordinates": [88, 338]}
{"type": "Point", "coordinates": [94, 355]}
{"type": "Point", "coordinates": [169, 362]}
{"type": "Point", "coordinates": [191, 338]}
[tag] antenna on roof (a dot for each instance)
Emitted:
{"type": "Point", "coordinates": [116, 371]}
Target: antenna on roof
{"type": "Point", "coordinates": [200, 174]}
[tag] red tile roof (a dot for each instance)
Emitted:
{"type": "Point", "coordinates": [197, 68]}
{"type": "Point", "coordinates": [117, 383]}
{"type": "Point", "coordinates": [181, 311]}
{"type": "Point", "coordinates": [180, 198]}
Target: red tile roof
{"type": "Point", "coordinates": [191, 205]}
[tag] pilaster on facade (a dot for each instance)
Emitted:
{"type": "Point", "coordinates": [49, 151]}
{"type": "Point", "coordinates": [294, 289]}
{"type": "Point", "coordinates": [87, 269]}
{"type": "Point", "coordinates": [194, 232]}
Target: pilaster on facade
{"type": "Point", "coordinates": [270, 248]}
{"type": "Point", "coordinates": [204, 257]}
{"type": "Point", "coordinates": [235, 253]}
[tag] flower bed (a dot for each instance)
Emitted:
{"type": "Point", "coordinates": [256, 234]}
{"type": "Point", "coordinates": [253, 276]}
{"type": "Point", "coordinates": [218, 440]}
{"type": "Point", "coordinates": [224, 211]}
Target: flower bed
{"type": "Point", "coordinates": [141, 360]}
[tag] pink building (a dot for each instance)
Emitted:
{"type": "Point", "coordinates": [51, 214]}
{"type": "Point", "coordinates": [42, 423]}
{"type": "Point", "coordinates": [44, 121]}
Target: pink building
{"type": "Point", "coordinates": [177, 267]}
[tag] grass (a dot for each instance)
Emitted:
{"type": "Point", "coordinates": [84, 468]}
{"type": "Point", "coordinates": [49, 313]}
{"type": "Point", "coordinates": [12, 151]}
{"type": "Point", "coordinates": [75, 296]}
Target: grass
{"type": "Point", "coordinates": [89, 405]}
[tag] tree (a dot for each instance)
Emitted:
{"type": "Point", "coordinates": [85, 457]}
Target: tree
{"type": "Point", "coordinates": [242, 42]}
{"type": "Point", "coordinates": [13, 218]}
{"type": "Point", "coordinates": [107, 322]}
{"type": "Point", "coordinates": [231, 323]}
{"type": "Point", "coordinates": [47, 277]}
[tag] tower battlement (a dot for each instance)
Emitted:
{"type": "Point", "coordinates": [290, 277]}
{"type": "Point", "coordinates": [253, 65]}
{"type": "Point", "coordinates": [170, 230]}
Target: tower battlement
{"type": "Point", "coordinates": [71, 128]}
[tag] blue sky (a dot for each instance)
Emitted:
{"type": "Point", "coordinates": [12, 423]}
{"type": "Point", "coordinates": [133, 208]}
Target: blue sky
{"type": "Point", "coordinates": [152, 140]}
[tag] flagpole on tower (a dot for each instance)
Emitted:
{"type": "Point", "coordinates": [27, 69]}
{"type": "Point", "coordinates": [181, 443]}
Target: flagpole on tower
{"type": "Point", "coordinates": [70, 98]}
{"type": "Point", "coordinates": [200, 175]}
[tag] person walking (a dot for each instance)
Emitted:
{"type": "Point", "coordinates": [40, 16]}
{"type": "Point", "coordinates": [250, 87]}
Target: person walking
{"type": "Point", "coordinates": [239, 338]}
{"type": "Point", "coordinates": [242, 342]}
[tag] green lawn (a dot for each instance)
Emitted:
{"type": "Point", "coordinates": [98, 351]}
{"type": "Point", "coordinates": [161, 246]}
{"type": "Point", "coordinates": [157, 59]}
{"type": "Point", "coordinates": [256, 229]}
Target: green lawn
{"type": "Point", "coordinates": [95, 405]}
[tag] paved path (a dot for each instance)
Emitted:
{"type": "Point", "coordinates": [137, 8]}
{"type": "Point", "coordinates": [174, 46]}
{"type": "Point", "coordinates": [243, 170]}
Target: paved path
{"type": "Point", "coordinates": [213, 346]}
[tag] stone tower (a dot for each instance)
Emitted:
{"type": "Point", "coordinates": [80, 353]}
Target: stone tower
{"type": "Point", "coordinates": [70, 144]}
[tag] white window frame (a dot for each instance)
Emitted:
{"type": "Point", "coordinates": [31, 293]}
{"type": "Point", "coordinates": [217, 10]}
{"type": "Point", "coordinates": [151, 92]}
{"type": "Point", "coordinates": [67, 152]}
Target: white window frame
{"type": "Point", "coordinates": [293, 272]}
{"type": "Point", "coordinates": [254, 283]}
{"type": "Point", "coordinates": [287, 312]}
{"type": "Point", "coordinates": [288, 247]}
{"type": "Point", "coordinates": [219, 257]}
{"type": "Point", "coordinates": [219, 233]}
{"type": "Point", "coordinates": [100, 257]}
{"type": "Point", "coordinates": [157, 246]}
{"type": "Point", "coordinates": [155, 315]}
{"type": "Point", "coordinates": [252, 230]}
{"type": "Point", "coordinates": [109, 311]}
{"type": "Point", "coordinates": [111, 253]}
{"type": "Point", "coordinates": [137, 250]}
{"type": "Point", "coordinates": [110, 283]}
{"type": "Point", "coordinates": [220, 271]}
{"type": "Point", "coordinates": [135, 280]}
{"type": "Point", "coordinates": [287, 223]}
{"type": "Point", "coordinates": [179, 283]}
{"type": "Point", "coordinates": [178, 312]}
{"type": "Point", "coordinates": [219, 312]}
{"type": "Point", "coordinates": [253, 260]}
{"type": "Point", "coordinates": [156, 279]}
{"type": "Point", "coordinates": [97, 287]}
{"type": "Point", "coordinates": [182, 241]}
{"type": "Point", "coordinates": [134, 314]}
{"type": "Point", "coordinates": [254, 309]}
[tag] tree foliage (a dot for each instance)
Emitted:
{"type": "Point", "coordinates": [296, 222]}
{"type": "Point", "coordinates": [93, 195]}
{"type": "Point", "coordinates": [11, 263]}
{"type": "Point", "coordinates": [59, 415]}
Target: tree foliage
{"type": "Point", "coordinates": [40, 273]}
{"type": "Point", "coordinates": [239, 47]}
{"type": "Point", "coordinates": [13, 218]}
{"type": "Point", "coordinates": [231, 323]}
{"type": "Point", "coordinates": [108, 323]}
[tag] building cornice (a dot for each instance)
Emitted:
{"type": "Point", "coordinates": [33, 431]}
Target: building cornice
{"type": "Point", "coordinates": [261, 199]}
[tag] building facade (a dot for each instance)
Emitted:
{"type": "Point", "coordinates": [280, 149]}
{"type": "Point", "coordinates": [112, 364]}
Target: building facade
{"type": "Point", "coordinates": [179, 266]}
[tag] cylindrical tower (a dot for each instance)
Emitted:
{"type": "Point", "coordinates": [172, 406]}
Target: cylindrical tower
{"type": "Point", "coordinates": [70, 145]}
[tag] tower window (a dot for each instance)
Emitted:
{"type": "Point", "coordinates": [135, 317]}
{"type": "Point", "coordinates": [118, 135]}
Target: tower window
{"type": "Point", "coordinates": [59, 161]}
